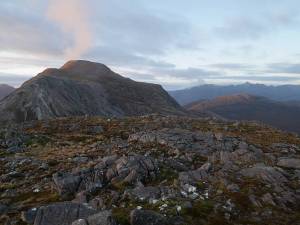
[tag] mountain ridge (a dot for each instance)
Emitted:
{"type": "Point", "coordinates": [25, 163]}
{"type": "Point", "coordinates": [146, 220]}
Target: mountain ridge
{"type": "Point", "coordinates": [210, 91]}
{"type": "Point", "coordinates": [252, 108]}
{"type": "Point", "coordinates": [5, 90]}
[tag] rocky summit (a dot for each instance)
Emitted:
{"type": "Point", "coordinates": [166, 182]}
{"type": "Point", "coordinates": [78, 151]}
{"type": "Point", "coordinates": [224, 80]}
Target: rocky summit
{"type": "Point", "coordinates": [84, 88]}
{"type": "Point", "coordinates": [148, 170]}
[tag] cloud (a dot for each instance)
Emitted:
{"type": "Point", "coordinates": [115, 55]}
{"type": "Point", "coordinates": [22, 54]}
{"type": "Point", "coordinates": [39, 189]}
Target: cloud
{"type": "Point", "coordinates": [137, 30]}
{"type": "Point", "coordinates": [23, 32]}
{"type": "Point", "coordinates": [241, 28]}
{"type": "Point", "coordinates": [232, 66]}
{"type": "Point", "coordinates": [259, 78]}
{"type": "Point", "coordinates": [72, 17]}
{"type": "Point", "coordinates": [115, 56]}
{"type": "Point", "coordinates": [253, 28]}
{"type": "Point", "coordinates": [291, 68]}
{"type": "Point", "coordinates": [12, 79]}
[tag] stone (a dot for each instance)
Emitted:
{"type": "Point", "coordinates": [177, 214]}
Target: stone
{"type": "Point", "coordinates": [94, 130]}
{"type": "Point", "coordinates": [3, 209]}
{"type": "Point", "coordinates": [144, 193]}
{"type": "Point", "coordinates": [66, 184]}
{"type": "Point", "coordinates": [233, 188]}
{"type": "Point", "coordinates": [101, 218]}
{"type": "Point", "coordinates": [29, 216]}
{"type": "Point", "coordinates": [265, 173]}
{"type": "Point", "coordinates": [146, 217]}
{"type": "Point", "coordinates": [268, 199]}
{"type": "Point", "coordinates": [290, 163]}
{"type": "Point", "coordinates": [193, 176]}
{"type": "Point", "coordinates": [80, 222]}
{"type": "Point", "coordinates": [63, 213]}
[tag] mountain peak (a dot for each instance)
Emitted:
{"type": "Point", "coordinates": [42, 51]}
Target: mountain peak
{"type": "Point", "coordinates": [83, 66]}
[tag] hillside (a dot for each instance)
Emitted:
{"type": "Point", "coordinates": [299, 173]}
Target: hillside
{"type": "Point", "coordinates": [284, 116]}
{"type": "Point", "coordinates": [5, 90]}
{"type": "Point", "coordinates": [84, 88]}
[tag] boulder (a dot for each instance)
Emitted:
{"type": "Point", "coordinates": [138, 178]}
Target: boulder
{"type": "Point", "coordinates": [63, 213]}
{"type": "Point", "coordinates": [89, 180]}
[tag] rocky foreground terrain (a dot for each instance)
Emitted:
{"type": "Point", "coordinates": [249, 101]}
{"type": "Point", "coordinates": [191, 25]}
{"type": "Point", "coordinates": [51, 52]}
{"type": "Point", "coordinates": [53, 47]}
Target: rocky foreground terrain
{"type": "Point", "coordinates": [148, 170]}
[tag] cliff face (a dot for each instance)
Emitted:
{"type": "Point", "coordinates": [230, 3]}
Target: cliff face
{"type": "Point", "coordinates": [84, 88]}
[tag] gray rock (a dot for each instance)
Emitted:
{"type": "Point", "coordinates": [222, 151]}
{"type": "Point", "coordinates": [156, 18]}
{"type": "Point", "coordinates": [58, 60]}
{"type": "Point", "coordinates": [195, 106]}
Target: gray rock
{"type": "Point", "coordinates": [101, 218]}
{"type": "Point", "coordinates": [233, 188]}
{"type": "Point", "coordinates": [268, 199]}
{"type": "Point", "coordinates": [29, 216]}
{"type": "Point", "coordinates": [128, 169]}
{"type": "Point", "coordinates": [3, 209]}
{"type": "Point", "coordinates": [144, 193]}
{"type": "Point", "coordinates": [80, 222]}
{"type": "Point", "coordinates": [97, 129]}
{"type": "Point", "coordinates": [66, 184]}
{"type": "Point", "coordinates": [290, 163]}
{"type": "Point", "coordinates": [63, 213]}
{"type": "Point", "coordinates": [267, 174]}
{"type": "Point", "coordinates": [89, 180]}
{"type": "Point", "coordinates": [175, 138]}
{"type": "Point", "coordinates": [147, 217]}
{"type": "Point", "coordinates": [193, 176]}
{"type": "Point", "coordinates": [81, 159]}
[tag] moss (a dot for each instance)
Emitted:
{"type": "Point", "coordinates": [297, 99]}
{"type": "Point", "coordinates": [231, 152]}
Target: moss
{"type": "Point", "coordinates": [167, 174]}
{"type": "Point", "coordinates": [7, 186]}
{"type": "Point", "coordinates": [4, 153]}
{"type": "Point", "coordinates": [41, 140]}
{"type": "Point", "coordinates": [200, 209]}
{"type": "Point", "coordinates": [121, 215]}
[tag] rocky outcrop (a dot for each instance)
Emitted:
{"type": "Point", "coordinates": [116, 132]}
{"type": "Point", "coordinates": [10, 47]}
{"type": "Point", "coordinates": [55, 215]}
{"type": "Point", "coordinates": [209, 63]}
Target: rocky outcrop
{"type": "Point", "coordinates": [61, 213]}
{"type": "Point", "coordinates": [82, 88]}
{"type": "Point", "coordinates": [110, 170]}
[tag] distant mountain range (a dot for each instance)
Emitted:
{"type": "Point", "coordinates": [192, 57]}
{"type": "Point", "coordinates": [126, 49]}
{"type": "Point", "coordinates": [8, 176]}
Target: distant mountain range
{"type": "Point", "coordinates": [5, 90]}
{"type": "Point", "coordinates": [247, 107]}
{"type": "Point", "coordinates": [205, 92]}
{"type": "Point", "coordinates": [84, 88]}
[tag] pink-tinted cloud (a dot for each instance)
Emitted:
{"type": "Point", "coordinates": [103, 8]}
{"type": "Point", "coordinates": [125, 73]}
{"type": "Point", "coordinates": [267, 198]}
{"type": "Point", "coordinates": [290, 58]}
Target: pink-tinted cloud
{"type": "Point", "coordinates": [72, 17]}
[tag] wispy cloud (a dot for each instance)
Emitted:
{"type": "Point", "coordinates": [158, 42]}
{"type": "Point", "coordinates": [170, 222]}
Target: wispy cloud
{"type": "Point", "coordinates": [72, 17]}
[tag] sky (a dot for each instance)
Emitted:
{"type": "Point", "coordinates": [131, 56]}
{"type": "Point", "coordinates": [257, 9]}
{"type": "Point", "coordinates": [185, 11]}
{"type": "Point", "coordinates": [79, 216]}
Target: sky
{"type": "Point", "coordinates": [175, 43]}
